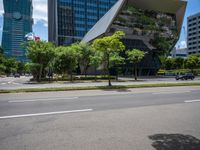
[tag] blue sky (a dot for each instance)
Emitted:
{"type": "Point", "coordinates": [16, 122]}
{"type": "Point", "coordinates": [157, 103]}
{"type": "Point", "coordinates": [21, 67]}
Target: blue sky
{"type": "Point", "coordinates": [40, 26]}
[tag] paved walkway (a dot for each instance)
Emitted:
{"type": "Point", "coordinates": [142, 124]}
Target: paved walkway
{"type": "Point", "coordinates": [23, 82]}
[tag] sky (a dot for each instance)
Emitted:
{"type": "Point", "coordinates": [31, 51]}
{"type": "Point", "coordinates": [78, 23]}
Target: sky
{"type": "Point", "coordinates": [40, 27]}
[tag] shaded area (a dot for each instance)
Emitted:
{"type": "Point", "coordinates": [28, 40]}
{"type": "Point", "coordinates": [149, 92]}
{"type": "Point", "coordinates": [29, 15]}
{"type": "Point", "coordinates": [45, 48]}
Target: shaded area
{"type": "Point", "coordinates": [175, 142]}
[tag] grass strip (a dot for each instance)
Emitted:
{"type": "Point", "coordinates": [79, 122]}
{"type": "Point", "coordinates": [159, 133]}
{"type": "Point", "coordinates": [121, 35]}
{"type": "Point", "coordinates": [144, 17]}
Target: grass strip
{"type": "Point", "coordinates": [100, 87]}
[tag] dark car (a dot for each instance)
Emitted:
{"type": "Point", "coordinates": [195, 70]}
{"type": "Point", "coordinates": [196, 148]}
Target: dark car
{"type": "Point", "coordinates": [17, 75]}
{"type": "Point", "coordinates": [185, 76]}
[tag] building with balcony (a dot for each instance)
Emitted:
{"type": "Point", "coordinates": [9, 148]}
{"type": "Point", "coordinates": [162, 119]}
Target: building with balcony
{"type": "Point", "coordinates": [193, 37]}
{"type": "Point", "coordinates": [70, 20]}
{"type": "Point", "coordinates": [152, 26]}
{"type": "Point", "coordinates": [17, 23]}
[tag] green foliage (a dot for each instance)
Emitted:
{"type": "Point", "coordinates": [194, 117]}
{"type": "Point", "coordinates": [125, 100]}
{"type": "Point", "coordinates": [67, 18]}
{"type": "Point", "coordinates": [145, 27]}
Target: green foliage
{"type": "Point", "coordinates": [1, 50]}
{"type": "Point", "coordinates": [85, 51]}
{"type": "Point", "coordinates": [40, 53]}
{"type": "Point", "coordinates": [162, 44]}
{"type": "Point", "coordinates": [10, 65]}
{"type": "Point", "coordinates": [96, 59]}
{"type": "Point", "coordinates": [66, 60]}
{"type": "Point", "coordinates": [116, 59]}
{"type": "Point", "coordinates": [193, 62]}
{"type": "Point", "coordinates": [179, 63]}
{"type": "Point", "coordinates": [135, 56]}
{"type": "Point", "coordinates": [109, 46]}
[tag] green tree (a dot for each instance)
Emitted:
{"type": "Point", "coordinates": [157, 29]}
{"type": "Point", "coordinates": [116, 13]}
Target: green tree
{"type": "Point", "coordinates": [1, 50]}
{"type": "Point", "coordinates": [85, 53]}
{"type": "Point", "coordinates": [66, 60]}
{"type": "Point", "coordinates": [135, 56]}
{"type": "Point", "coordinates": [162, 44]}
{"type": "Point", "coordinates": [109, 45]}
{"type": "Point", "coordinates": [192, 62]}
{"type": "Point", "coordinates": [41, 53]}
{"type": "Point", "coordinates": [95, 61]}
{"type": "Point", "coordinates": [179, 63]}
{"type": "Point", "coordinates": [20, 67]}
{"type": "Point", "coordinates": [10, 65]}
{"type": "Point", "coordinates": [169, 64]}
{"type": "Point", "coordinates": [115, 61]}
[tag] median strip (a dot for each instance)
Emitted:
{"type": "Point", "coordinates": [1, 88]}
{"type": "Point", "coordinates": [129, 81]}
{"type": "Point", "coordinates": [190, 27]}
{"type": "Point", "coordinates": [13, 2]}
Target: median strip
{"type": "Point", "coordinates": [44, 114]}
{"type": "Point", "coordinates": [99, 87]}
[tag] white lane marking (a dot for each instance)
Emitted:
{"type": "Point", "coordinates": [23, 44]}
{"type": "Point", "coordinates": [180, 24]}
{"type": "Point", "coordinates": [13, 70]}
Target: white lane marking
{"type": "Point", "coordinates": [46, 99]}
{"type": "Point", "coordinates": [15, 83]}
{"type": "Point", "coordinates": [191, 101]}
{"type": "Point", "coordinates": [3, 83]}
{"type": "Point", "coordinates": [171, 92]}
{"type": "Point", "coordinates": [44, 114]}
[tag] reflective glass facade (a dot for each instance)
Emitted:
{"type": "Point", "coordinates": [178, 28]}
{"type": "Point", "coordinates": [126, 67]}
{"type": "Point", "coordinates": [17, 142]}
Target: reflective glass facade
{"type": "Point", "coordinates": [70, 20]}
{"type": "Point", "coordinates": [17, 23]}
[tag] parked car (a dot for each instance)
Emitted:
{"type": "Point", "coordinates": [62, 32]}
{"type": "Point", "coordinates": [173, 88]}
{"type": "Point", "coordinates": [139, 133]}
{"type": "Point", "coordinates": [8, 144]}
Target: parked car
{"type": "Point", "coordinates": [185, 76]}
{"type": "Point", "coordinates": [17, 75]}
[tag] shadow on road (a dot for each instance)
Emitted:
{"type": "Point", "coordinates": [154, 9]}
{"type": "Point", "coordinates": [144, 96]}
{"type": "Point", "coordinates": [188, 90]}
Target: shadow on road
{"type": "Point", "coordinates": [175, 142]}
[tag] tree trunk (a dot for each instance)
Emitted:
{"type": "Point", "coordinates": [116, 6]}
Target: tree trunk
{"type": "Point", "coordinates": [108, 68]}
{"type": "Point", "coordinates": [95, 75]}
{"type": "Point", "coordinates": [40, 73]}
{"type": "Point", "coordinates": [117, 75]}
{"type": "Point", "coordinates": [85, 71]}
{"type": "Point", "coordinates": [135, 71]}
{"type": "Point", "coordinates": [71, 76]}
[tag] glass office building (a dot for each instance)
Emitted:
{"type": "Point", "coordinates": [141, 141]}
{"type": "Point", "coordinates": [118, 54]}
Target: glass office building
{"type": "Point", "coordinates": [17, 23]}
{"type": "Point", "coordinates": [70, 20]}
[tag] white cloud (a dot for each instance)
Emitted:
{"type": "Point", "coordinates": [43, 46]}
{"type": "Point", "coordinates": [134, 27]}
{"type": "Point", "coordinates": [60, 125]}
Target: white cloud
{"type": "Point", "coordinates": [39, 10]}
{"type": "Point", "coordinates": [45, 24]}
{"type": "Point", "coordinates": [1, 8]}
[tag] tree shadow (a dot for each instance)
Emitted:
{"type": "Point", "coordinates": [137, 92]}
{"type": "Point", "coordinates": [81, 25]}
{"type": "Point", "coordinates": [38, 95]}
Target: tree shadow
{"type": "Point", "coordinates": [175, 142]}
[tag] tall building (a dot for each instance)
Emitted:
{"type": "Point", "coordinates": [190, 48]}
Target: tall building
{"type": "Point", "coordinates": [193, 38]}
{"type": "Point", "coordinates": [70, 20]}
{"type": "Point", "coordinates": [152, 26]}
{"type": "Point", "coordinates": [17, 23]}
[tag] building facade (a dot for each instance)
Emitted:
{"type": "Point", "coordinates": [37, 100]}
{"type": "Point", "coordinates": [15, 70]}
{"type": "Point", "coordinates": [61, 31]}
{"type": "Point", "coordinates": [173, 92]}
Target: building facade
{"type": "Point", "coordinates": [152, 26]}
{"type": "Point", "coordinates": [70, 20]}
{"type": "Point", "coordinates": [179, 52]}
{"type": "Point", "coordinates": [17, 23]}
{"type": "Point", "coordinates": [193, 38]}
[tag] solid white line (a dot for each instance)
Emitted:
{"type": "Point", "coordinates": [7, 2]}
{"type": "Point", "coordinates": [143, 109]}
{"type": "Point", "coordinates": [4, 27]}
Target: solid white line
{"type": "Point", "coordinates": [171, 92]}
{"type": "Point", "coordinates": [191, 101]}
{"type": "Point", "coordinates": [15, 83]}
{"type": "Point", "coordinates": [44, 114]}
{"type": "Point", "coordinates": [36, 100]}
{"type": "Point", "coordinates": [3, 83]}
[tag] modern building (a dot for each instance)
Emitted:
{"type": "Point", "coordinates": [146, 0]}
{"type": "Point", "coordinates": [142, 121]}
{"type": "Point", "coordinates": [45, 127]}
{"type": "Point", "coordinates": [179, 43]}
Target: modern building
{"type": "Point", "coordinates": [149, 25]}
{"type": "Point", "coordinates": [17, 23]}
{"type": "Point", "coordinates": [193, 40]}
{"type": "Point", "coordinates": [179, 52]}
{"type": "Point", "coordinates": [70, 20]}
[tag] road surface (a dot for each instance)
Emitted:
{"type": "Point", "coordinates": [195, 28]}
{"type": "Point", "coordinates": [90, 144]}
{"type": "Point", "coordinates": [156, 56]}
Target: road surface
{"type": "Point", "coordinates": [141, 119]}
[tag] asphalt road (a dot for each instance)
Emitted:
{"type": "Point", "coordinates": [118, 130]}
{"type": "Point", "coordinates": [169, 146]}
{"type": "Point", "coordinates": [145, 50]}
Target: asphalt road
{"type": "Point", "coordinates": [23, 82]}
{"type": "Point", "coordinates": [141, 119]}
